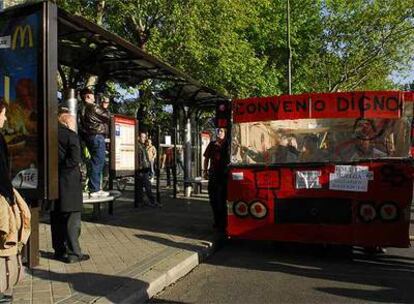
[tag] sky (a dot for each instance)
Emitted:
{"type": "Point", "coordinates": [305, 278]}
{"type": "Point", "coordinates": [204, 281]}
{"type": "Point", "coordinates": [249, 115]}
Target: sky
{"type": "Point", "coordinates": [404, 78]}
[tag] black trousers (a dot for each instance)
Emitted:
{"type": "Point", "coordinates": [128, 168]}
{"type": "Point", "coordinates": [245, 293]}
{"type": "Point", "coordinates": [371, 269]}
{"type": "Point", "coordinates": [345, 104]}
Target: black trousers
{"type": "Point", "coordinates": [144, 184]}
{"type": "Point", "coordinates": [66, 229]}
{"type": "Point", "coordinates": [170, 172]}
{"type": "Point", "coordinates": [217, 192]}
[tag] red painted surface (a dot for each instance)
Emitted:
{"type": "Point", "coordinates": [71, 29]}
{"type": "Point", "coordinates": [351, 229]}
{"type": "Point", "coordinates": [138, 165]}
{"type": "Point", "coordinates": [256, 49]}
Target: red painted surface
{"type": "Point", "coordinates": [270, 185]}
{"type": "Point", "coordinates": [368, 104]}
{"type": "Point", "coordinates": [124, 120]}
{"type": "Point", "coordinates": [392, 181]}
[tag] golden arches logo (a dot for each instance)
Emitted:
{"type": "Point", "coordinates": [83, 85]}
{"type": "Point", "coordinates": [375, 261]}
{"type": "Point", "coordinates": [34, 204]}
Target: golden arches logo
{"type": "Point", "coordinates": [21, 32]}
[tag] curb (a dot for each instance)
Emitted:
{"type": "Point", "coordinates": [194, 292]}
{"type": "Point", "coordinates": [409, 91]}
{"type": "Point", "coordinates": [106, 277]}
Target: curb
{"type": "Point", "coordinates": [160, 275]}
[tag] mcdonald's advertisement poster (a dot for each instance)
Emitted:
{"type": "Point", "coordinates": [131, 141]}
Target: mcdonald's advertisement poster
{"type": "Point", "coordinates": [19, 51]}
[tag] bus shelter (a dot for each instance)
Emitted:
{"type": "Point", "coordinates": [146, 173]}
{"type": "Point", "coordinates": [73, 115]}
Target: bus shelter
{"type": "Point", "coordinates": [36, 42]}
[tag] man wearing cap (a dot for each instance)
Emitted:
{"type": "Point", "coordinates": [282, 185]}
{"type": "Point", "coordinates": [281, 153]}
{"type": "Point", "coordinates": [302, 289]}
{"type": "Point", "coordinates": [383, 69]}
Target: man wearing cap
{"type": "Point", "coordinates": [93, 124]}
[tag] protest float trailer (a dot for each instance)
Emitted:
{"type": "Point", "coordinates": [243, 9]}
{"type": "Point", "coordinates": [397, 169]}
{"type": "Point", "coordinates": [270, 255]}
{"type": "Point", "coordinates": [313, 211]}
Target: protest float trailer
{"type": "Point", "coordinates": [331, 168]}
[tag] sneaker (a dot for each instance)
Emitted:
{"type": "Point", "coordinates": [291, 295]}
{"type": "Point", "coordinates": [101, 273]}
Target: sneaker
{"type": "Point", "coordinates": [104, 193]}
{"type": "Point", "coordinates": [95, 194]}
{"type": "Point", "coordinates": [99, 193]}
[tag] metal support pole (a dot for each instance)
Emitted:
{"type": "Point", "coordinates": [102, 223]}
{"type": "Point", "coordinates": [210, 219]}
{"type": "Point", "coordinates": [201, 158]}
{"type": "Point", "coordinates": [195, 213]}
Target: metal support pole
{"type": "Point", "coordinates": [198, 145]}
{"type": "Point", "coordinates": [33, 243]}
{"type": "Point", "coordinates": [289, 49]}
{"type": "Point", "coordinates": [158, 163]}
{"type": "Point", "coordinates": [138, 200]}
{"type": "Point", "coordinates": [187, 153]}
{"type": "Point", "coordinates": [72, 104]}
{"type": "Point", "coordinates": [175, 151]}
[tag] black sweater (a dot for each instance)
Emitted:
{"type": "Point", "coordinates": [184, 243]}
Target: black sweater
{"type": "Point", "coordinates": [6, 188]}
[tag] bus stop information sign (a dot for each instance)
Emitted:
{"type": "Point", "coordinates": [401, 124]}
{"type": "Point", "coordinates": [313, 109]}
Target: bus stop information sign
{"type": "Point", "coordinates": [123, 141]}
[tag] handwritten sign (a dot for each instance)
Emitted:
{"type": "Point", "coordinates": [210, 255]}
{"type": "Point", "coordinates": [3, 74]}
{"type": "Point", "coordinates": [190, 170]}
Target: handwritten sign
{"type": "Point", "coordinates": [381, 104]}
{"type": "Point", "coordinates": [350, 178]}
{"type": "Point", "coordinates": [308, 179]}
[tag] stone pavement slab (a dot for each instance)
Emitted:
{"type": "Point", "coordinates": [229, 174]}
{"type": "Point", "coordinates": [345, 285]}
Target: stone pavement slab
{"type": "Point", "coordinates": [134, 254]}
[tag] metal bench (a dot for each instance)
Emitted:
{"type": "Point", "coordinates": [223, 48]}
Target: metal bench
{"type": "Point", "coordinates": [97, 201]}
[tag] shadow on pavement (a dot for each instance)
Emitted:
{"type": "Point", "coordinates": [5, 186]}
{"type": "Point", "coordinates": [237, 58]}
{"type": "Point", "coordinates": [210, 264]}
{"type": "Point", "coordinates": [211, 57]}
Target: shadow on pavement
{"type": "Point", "coordinates": [383, 278]}
{"type": "Point", "coordinates": [93, 284]}
{"type": "Point", "coordinates": [165, 301]}
{"type": "Point", "coordinates": [171, 243]}
{"type": "Point", "coordinates": [179, 217]}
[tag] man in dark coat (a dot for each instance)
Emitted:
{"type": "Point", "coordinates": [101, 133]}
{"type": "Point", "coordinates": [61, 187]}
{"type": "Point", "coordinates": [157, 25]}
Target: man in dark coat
{"type": "Point", "coordinates": [66, 216]}
{"type": "Point", "coordinates": [144, 167]}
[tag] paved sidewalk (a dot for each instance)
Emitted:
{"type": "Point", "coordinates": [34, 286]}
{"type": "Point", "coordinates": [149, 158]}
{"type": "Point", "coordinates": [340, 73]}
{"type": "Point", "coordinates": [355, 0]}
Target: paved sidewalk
{"type": "Point", "coordinates": [134, 254]}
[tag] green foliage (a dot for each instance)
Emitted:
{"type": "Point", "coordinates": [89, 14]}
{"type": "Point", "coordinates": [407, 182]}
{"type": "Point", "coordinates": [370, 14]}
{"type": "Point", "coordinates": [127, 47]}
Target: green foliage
{"type": "Point", "coordinates": [364, 41]}
{"type": "Point", "coordinates": [239, 46]}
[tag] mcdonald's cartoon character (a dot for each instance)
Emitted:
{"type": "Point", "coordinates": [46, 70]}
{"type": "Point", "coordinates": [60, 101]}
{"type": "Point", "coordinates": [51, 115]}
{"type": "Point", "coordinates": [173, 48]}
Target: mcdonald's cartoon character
{"type": "Point", "coordinates": [20, 33]}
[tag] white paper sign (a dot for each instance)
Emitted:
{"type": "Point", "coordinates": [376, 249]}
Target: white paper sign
{"type": "Point", "coordinates": [237, 175]}
{"type": "Point", "coordinates": [5, 42]}
{"type": "Point", "coordinates": [308, 179]}
{"type": "Point", "coordinates": [124, 146]}
{"type": "Point", "coordinates": [350, 178]}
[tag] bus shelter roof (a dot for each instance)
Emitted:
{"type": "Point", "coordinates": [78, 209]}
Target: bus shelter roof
{"type": "Point", "coordinates": [88, 47]}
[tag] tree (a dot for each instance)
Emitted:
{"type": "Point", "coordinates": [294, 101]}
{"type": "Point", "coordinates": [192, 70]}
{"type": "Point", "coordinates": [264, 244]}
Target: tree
{"type": "Point", "coordinates": [239, 47]}
{"type": "Point", "coordinates": [364, 41]}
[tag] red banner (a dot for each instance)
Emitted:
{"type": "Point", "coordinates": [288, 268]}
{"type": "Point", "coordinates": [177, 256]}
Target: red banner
{"type": "Point", "coordinates": [371, 104]}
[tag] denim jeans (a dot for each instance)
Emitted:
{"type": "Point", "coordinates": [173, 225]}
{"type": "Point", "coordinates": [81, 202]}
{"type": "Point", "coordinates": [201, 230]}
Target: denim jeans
{"type": "Point", "coordinates": [96, 147]}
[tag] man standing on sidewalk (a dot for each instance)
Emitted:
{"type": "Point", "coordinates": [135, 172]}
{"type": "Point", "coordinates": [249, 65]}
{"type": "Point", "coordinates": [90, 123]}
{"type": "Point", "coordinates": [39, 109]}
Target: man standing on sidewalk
{"type": "Point", "coordinates": [152, 154]}
{"type": "Point", "coordinates": [65, 219]}
{"type": "Point", "coordinates": [94, 120]}
{"type": "Point", "coordinates": [216, 155]}
{"type": "Point", "coordinates": [144, 167]}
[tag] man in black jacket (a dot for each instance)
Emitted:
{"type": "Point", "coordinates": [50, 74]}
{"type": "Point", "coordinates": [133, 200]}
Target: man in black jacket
{"type": "Point", "coordinates": [93, 124]}
{"type": "Point", "coordinates": [66, 215]}
{"type": "Point", "coordinates": [144, 168]}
